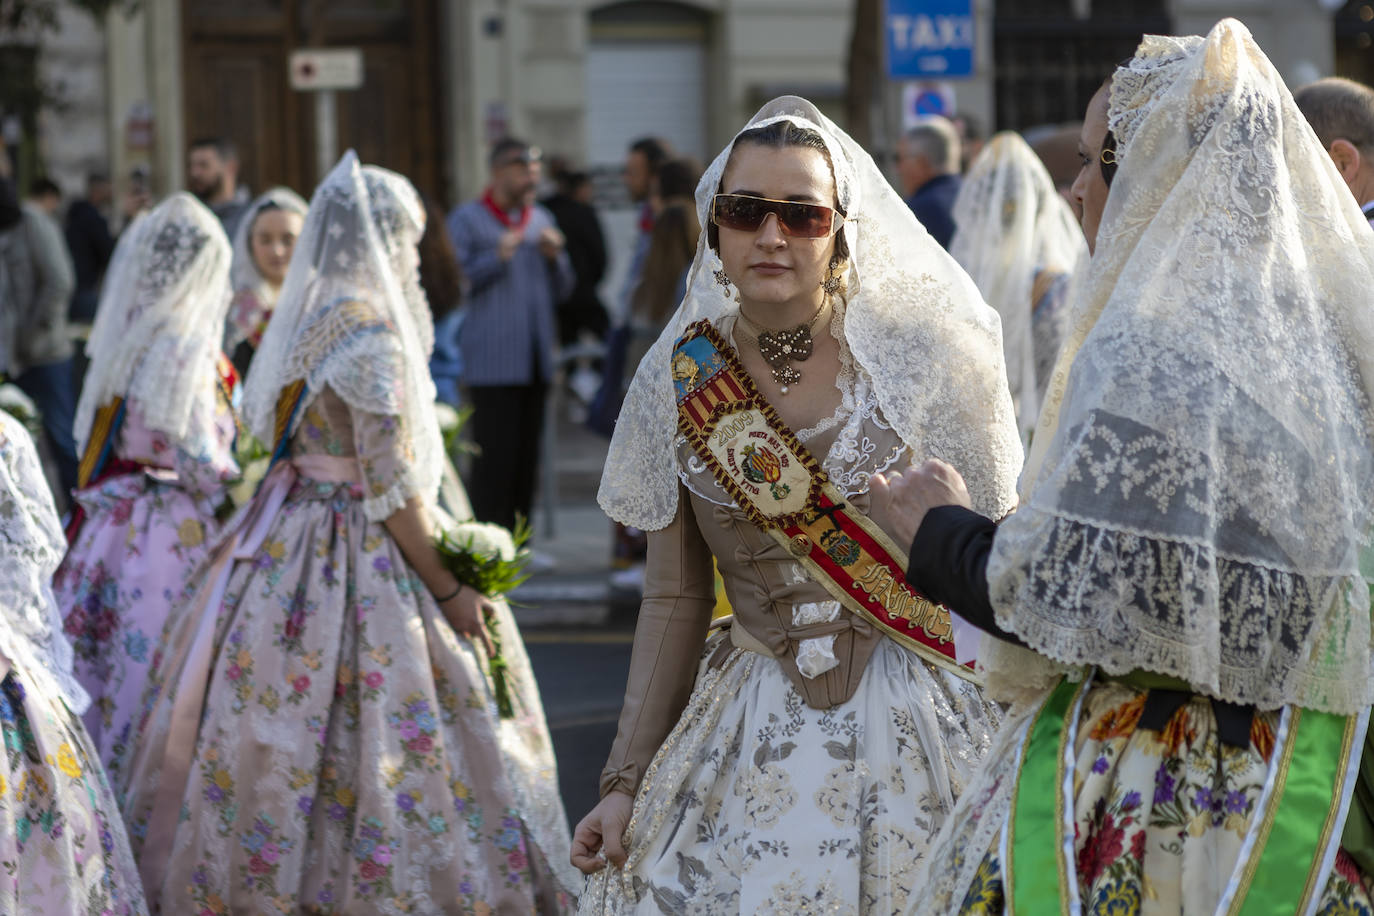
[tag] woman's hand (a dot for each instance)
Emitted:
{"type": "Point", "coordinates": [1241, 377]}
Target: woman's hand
{"type": "Point", "coordinates": [901, 500]}
{"type": "Point", "coordinates": [467, 613]}
{"type": "Point", "coordinates": [604, 825]}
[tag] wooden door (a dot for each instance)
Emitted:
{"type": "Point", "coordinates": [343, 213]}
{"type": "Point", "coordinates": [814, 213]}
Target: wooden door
{"type": "Point", "coordinates": [235, 62]}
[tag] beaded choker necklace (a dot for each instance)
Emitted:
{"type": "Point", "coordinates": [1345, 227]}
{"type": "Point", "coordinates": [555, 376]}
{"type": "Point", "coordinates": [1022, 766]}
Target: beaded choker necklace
{"type": "Point", "coordinates": [780, 349]}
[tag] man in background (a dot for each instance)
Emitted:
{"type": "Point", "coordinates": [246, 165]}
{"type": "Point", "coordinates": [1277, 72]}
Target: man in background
{"type": "Point", "coordinates": [1341, 113]}
{"type": "Point", "coordinates": [212, 174]}
{"type": "Point", "coordinates": [928, 169]}
{"type": "Point", "coordinates": [642, 162]}
{"type": "Point", "coordinates": [571, 206]}
{"type": "Point", "coordinates": [91, 244]}
{"type": "Point", "coordinates": [518, 269]}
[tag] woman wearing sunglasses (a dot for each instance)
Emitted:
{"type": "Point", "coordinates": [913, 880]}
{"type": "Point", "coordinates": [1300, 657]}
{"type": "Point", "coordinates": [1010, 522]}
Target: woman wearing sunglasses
{"type": "Point", "coordinates": [801, 758]}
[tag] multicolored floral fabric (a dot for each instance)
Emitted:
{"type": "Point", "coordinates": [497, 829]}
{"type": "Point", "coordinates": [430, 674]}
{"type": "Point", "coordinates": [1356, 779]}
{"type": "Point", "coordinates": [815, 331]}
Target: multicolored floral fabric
{"type": "Point", "coordinates": [349, 758]}
{"type": "Point", "coordinates": [62, 843]}
{"type": "Point", "coordinates": [758, 803]}
{"type": "Point", "coordinates": [144, 532]}
{"type": "Point", "coordinates": [1160, 817]}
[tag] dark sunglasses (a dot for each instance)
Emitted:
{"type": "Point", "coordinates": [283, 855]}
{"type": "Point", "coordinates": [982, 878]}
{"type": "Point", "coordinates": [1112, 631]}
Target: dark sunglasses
{"type": "Point", "coordinates": [799, 220]}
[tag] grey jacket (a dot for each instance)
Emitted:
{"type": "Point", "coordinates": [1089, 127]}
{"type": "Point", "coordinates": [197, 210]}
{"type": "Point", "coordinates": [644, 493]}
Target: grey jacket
{"type": "Point", "coordinates": [36, 283]}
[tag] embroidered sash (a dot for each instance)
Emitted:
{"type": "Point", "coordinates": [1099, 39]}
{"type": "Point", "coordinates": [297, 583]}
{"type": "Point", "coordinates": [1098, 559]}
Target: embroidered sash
{"type": "Point", "coordinates": [288, 403]}
{"type": "Point", "coordinates": [784, 490]}
{"type": "Point", "coordinates": [100, 442]}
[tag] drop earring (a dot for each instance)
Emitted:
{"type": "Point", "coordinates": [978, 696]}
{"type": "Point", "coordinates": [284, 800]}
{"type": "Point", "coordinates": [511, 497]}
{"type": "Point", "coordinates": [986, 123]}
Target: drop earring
{"type": "Point", "coordinates": [722, 277]}
{"type": "Point", "coordinates": [831, 284]}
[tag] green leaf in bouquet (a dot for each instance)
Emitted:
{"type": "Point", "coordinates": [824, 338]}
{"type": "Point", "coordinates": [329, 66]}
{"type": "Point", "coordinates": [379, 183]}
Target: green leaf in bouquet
{"type": "Point", "coordinates": [493, 576]}
{"type": "Point", "coordinates": [489, 574]}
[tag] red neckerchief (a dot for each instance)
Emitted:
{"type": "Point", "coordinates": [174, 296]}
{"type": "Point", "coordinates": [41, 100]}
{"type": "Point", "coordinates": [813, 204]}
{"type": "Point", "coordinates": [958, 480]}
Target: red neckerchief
{"type": "Point", "coordinates": [503, 216]}
{"type": "Point", "coordinates": [646, 218]}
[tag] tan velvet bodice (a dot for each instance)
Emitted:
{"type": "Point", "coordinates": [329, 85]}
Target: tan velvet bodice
{"type": "Point", "coordinates": [764, 583]}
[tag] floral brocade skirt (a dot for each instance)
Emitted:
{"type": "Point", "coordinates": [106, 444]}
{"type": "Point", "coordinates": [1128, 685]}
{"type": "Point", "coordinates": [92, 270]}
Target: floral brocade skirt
{"type": "Point", "coordinates": [759, 804]}
{"type": "Point", "coordinates": [116, 588]}
{"type": "Point", "coordinates": [62, 844]}
{"type": "Point", "coordinates": [1160, 818]}
{"type": "Point", "coordinates": [348, 757]}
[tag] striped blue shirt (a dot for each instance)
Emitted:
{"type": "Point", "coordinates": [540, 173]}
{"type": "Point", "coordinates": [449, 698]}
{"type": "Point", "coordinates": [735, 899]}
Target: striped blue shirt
{"type": "Point", "coordinates": [509, 328]}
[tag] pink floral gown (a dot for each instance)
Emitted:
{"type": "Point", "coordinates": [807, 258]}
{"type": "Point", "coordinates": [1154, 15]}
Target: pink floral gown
{"type": "Point", "coordinates": [348, 758]}
{"type": "Point", "coordinates": [143, 534]}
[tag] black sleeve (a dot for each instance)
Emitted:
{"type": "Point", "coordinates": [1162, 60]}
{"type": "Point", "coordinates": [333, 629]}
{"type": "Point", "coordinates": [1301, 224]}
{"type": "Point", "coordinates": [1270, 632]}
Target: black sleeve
{"type": "Point", "coordinates": [949, 561]}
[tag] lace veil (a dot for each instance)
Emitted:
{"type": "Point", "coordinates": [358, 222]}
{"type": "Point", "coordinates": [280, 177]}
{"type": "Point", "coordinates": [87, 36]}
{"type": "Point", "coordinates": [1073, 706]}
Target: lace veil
{"type": "Point", "coordinates": [1012, 225]}
{"type": "Point", "coordinates": [243, 272]}
{"type": "Point", "coordinates": [158, 327]}
{"type": "Point", "coordinates": [31, 548]}
{"type": "Point", "coordinates": [352, 317]}
{"type": "Point", "coordinates": [1202, 477]}
{"type": "Point", "coordinates": [914, 322]}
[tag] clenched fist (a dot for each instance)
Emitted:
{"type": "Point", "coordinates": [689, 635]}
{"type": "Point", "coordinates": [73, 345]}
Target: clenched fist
{"type": "Point", "coordinates": [900, 500]}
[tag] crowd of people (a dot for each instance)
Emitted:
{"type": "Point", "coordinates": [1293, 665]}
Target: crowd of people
{"type": "Point", "coordinates": [1047, 524]}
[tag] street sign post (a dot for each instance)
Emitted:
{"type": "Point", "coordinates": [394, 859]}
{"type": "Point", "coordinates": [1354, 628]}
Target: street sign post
{"type": "Point", "coordinates": [929, 39]}
{"type": "Point", "coordinates": [324, 71]}
{"type": "Point", "coordinates": [332, 68]}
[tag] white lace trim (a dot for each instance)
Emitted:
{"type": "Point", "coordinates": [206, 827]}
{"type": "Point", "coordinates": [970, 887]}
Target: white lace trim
{"type": "Point", "coordinates": [1201, 485]}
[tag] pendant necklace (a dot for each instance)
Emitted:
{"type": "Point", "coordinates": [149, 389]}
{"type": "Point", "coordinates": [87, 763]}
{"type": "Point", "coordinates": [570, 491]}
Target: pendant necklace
{"type": "Point", "coordinates": [780, 349]}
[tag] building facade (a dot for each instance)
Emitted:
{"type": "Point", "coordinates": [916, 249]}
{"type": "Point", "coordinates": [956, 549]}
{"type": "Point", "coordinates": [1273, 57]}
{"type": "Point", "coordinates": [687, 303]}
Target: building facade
{"type": "Point", "coordinates": [580, 78]}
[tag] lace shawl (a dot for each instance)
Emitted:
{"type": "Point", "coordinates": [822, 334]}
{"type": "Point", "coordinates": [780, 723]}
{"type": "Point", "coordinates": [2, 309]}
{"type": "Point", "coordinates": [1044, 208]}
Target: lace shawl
{"type": "Point", "coordinates": [244, 276]}
{"type": "Point", "coordinates": [31, 548]}
{"type": "Point", "coordinates": [157, 329]}
{"type": "Point", "coordinates": [1201, 481]}
{"type": "Point", "coordinates": [1012, 224]}
{"type": "Point", "coordinates": [352, 317]}
{"type": "Point", "coordinates": [914, 323]}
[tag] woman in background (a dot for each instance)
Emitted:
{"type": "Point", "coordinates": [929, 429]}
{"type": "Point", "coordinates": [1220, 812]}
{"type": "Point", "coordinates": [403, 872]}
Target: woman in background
{"type": "Point", "coordinates": [156, 430]}
{"type": "Point", "coordinates": [321, 729]}
{"type": "Point", "coordinates": [1019, 240]}
{"type": "Point", "coordinates": [263, 243]}
{"type": "Point", "coordinates": [803, 762]}
{"type": "Point", "coordinates": [62, 840]}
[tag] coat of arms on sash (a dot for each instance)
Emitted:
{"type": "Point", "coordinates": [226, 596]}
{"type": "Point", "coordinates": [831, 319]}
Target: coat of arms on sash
{"type": "Point", "coordinates": [781, 487]}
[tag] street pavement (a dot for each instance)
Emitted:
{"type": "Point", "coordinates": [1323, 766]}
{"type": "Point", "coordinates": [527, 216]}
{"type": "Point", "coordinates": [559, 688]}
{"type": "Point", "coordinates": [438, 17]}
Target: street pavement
{"type": "Point", "coordinates": [577, 629]}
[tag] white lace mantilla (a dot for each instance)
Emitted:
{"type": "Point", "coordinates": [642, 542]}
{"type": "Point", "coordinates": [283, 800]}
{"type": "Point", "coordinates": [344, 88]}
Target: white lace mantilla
{"type": "Point", "coordinates": [914, 323]}
{"type": "Point", "coordinates": [1012, 225]}
{"type": "Point", "coordinates": [31, 548]}
{"type": "Point", "coordinates": [352, 317]}
{"type": "Point", "coordinates": [157, 331]}
{"type": "Point", "coordinates": [1202, 479]}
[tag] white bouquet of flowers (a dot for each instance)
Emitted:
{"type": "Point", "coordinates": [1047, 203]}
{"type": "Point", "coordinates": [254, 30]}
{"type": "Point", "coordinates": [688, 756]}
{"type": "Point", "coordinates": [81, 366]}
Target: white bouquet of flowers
{"type": "Point", "coordinates": [492, 560]}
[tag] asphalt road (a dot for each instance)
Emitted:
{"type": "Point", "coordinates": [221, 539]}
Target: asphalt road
{"type": "Point", "coordinates": [581, 674]}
